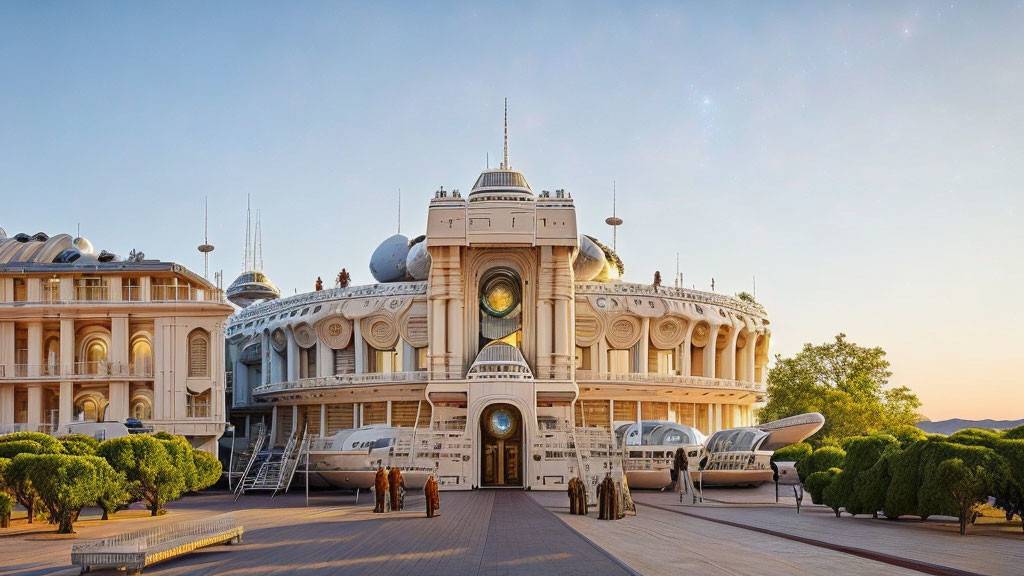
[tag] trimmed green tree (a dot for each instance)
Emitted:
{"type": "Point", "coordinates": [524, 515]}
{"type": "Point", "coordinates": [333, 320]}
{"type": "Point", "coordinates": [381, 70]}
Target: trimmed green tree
{"type": "Point", "coordinates": [19, 482]}
{"type": "Point", "coordinates": [6, 505]}
{"type": "Point", "coordinates": [817, 483]}
{"type": "Point", "coordinates": [872, 485]}
{"type": "Point", "coordinates": [820, 460]}
{"type": "Point", "coordinates": [148, 468]}
{"type": "Point", "coordinates": [964, 486]}
{"type": "Point", "coordinates": [906, 434]}
{"type": "Point", "coordinates": [862, 452]}
{"type": "Point", "coordinates": [67, 483]}
{"type": "Point", "coordinates": [831, 496]}
{"type": "Point", "coordinates": [13, 448]}
{"type": "Point", "coordinates": [208, 469]}
{"type": "Point", "coordinates": [1012, 493]}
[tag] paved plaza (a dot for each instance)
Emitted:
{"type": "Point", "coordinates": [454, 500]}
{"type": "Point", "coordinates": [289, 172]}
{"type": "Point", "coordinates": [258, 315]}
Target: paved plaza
{"type": "Point", "coordinates": [495, 532]}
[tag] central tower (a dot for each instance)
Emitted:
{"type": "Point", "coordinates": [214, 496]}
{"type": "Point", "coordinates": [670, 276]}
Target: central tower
{"type": "Point", "coordinates": [500, 295]}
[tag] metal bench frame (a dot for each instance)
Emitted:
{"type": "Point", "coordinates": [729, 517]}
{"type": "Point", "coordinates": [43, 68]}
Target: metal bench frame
{"type": "Point", "coordinates": [135, 550]}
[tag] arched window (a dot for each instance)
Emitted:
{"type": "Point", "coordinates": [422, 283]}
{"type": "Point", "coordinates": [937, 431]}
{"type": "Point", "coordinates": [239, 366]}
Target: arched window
{"type": "Point", "coordinates": [142, 357]}
{"type": "Point", "coordinates": [141, 408]}
{"type": "Point", "coordinates": [198, 354]}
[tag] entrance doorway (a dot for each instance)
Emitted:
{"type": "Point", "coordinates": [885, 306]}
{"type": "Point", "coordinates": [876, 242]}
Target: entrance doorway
{"type": "Point", "coordinates": [501, 446]}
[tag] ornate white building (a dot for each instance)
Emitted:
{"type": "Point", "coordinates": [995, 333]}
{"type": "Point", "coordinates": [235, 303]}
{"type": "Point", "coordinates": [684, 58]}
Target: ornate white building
{"type": "Point", "coordinates": [502, 324]}
{"type": "Point", "coordinates": [92, 337]}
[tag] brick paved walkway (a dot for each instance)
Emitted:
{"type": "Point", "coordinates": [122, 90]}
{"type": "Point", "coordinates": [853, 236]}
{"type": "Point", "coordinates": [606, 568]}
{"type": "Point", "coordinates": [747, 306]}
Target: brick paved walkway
{"type": "Point", "coordinates": [487, 532]}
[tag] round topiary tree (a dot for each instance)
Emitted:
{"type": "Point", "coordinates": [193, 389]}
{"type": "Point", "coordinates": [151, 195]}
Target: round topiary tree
{"type": "Point", "coordinates": [66, 484]}
{"type": "Point", "coordinates": [147, 467]}
{"type": "Point", "coordinates": [933, 496]}
{"type": "Point", "coordinates": [816, 484]}
{"type": "Point", "coordinates": [833, 494]}
{"type": "Point", "coordinates": [1014, 433]}
{"type": "Point", "coordinates": [15, 447]}
{"type": "Point", "coordinates": [6, 505]}
{"type": "Point", "coordinates": [821, 460]}
{"type": "Point", "coordinates": [906, 434]}
{"type": "Point", "coordinates": [862, 452]}
{"type": "Point", "coordinates": [964, 487]}
{"type": "Point", "coordinates": [18, 479]}
{"type": "Point", "coordinates": [208, 469]}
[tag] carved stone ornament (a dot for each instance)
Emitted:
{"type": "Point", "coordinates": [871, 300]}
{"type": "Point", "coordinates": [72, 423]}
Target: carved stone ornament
{"type": "Point", "coordinates": [380, 331]}
{"type": "Point", "coordinates": [305, 337]}
{"type": "Point", "coordinates": [414, 325]}
{"type": "Point", "coordinates": [668, 332]}
{"type": "Point", "coordinates": [624, 331]}
{"type": "Point", "coordinates": [335, 332]}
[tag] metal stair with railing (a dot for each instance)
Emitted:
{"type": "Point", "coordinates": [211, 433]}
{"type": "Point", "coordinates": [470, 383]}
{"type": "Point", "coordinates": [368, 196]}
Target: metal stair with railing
{"type": "Point", "coordinates": [271, 470]}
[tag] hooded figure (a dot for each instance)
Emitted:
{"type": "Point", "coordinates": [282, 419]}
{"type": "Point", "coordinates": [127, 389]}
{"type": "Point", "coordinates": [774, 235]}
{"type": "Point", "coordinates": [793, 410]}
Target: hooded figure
{"type": "Point", "coordinates": [380, 490]}
{"type": "Point", "coordinates": [577, 496]}
{"type": "Point", "coordinates": [397, 484]}
{"type": "Point", "coordinates": [430, 495]}
{"type": "Point", "coordinates": [608, 499]}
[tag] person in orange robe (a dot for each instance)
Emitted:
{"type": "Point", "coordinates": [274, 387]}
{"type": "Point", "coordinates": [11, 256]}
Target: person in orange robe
{"type": "Point", "coordinates": [397, 484]}
{"type": "Point", "coordinates": [380, 490]}
{"type": "Point", "coordinates": [430, 494]}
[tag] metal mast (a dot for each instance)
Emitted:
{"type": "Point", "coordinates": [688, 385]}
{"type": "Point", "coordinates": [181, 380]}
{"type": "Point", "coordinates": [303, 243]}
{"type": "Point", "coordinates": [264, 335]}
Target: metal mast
{"type": "Point", "coordinates": [614, 221]}
{"type": "Point", "coordinates": [206, 247]}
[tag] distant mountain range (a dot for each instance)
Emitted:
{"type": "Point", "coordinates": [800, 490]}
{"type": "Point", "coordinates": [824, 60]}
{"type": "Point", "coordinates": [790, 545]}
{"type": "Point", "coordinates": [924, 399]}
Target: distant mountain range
{"type": "Point", "coordinates": [950, 426]}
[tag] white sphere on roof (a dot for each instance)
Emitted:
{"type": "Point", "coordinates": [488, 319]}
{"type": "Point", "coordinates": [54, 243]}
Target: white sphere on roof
{"type": "Point", "coordinates": [84, 246]}
{"type": "Point", "coordinates": [387, 264]}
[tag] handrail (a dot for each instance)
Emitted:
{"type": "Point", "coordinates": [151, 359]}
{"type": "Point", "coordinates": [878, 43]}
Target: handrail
{"type": "Point", "coordinates": [96, 369]}
{"type": "Point", "coordinates": [677, 380]}
{"type": "Point", "coordinates": [342, 380]}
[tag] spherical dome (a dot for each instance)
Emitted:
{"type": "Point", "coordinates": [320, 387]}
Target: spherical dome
{"type": "Point", "coordinates": [590, 260]}
{"type": "Point", "coordinates": [84, 246]}
{"type": "Point", "coordinates": [417, 263]}
{"type": "Point", "coordinates": [387, 264]}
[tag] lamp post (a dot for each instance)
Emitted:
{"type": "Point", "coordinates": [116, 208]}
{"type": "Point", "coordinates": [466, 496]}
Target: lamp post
{"type": "Point", "coordinates": [231, 456]}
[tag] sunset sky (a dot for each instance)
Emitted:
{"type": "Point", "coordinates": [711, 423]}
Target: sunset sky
{"type": "Point", "coordinates": [864, 163]}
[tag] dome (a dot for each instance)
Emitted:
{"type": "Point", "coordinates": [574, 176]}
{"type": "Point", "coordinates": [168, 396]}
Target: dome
{"type": "Point", "coordinates": [251, 286]}
{"type": "Point", "coordinates": [387, 264]}
{"type": "Point", "coordinates": [590, 260]}
{"type": "Point", "coordinates": [500, 184]}
{"type": "Point", "coordinates": [417, 263]}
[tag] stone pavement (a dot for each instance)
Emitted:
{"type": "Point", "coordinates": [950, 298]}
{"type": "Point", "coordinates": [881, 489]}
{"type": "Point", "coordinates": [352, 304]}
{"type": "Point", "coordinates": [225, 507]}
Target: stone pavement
{"type": "Point", "coordinates": [487, 532]}
{"type": "Point", "coordinates": [983, 550]}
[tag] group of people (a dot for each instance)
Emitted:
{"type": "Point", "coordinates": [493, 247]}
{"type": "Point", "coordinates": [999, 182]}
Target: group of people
{"type": "Point", "coordinates": [389, 491]}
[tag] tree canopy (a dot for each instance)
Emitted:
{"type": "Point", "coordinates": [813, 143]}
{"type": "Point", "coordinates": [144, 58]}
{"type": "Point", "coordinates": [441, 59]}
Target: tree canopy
{"type": "Point", "coordinates": [846, 383]}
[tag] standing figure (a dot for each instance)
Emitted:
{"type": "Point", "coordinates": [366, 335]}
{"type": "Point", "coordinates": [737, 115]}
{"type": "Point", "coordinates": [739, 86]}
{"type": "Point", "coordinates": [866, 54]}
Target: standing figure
{"type": "Point", "coordinates": [608, 499]}
{"type": "Point", "coordinates": [430, 494]}
{"type": "Point", "coordinates": [397, 484]}
{"type": "Point", "coordinates": [577, 496]}
{"type": "Point", "coordinates": [572, 495]}
{"type": "Point", "coordinates": [380, 490]}
{"type": "Point", "coordinates": [319, 284]}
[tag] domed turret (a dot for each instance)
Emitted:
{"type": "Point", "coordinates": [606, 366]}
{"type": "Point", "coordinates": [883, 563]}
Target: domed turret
{"type": "Point", "coordinates": [251, 286]}
{"type": "Point", "coordinates": [387, 264]}
{"type": "Point", "coordinates": [590, 260]}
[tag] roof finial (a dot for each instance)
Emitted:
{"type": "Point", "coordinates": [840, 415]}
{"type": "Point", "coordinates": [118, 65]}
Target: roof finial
{"type": "Point", "coordinates": [504, 164]}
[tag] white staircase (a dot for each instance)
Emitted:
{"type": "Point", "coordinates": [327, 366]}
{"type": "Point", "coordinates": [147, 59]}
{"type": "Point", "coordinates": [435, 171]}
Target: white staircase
{"type": "Point", "coordinates": [273, 471]}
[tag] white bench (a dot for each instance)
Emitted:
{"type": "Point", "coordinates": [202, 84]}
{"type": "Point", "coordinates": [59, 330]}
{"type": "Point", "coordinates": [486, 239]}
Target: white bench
{"type": "Point", "coordinates": [135, 550]}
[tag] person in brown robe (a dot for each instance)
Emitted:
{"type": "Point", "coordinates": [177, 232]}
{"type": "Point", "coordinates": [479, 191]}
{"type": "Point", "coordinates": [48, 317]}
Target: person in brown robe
{"type": "Point", "coordinates": [397, 484]}
{"type": "Point", "coordinates": [430, 495]}
{"type": "Point", "coordinates": [608, 499]}
{"type": "Point", "coordinates": [380, 490]}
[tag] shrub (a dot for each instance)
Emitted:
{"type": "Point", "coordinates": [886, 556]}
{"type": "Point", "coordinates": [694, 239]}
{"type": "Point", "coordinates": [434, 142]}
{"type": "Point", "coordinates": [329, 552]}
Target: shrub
{"type": "Point", "coordinates": [816, 484]}
{"type": "Point", "coordinates": [862, 452]}
{"type": "Point", "coordinates": [66, 484]}
{"type": "Point", "coordinates": [1012, 492]}
{"type": "Point", "coordinates": [79, 444]}
{"type": "Point", "coordinates": [50, 444]}
{"type": "Point", "coordinates": [831, 495]}
{"type": "Point", "coordinates": [12, 449]}
{"type": "Point", "coordinates": [905, 480]}
{"type": "Point", "coordinates": [793, 453]}
{"type": "Point", "coordinates": [821, 460]}
{"type": "Point", "coordinates": [872, 485]}
{"type": "Point", "coordinates": [115, 489]}
{"type": "Point", "coordinates": [148, 468]}
{"type": "Point", "coordinates": [1014, 433]}
{"type": "Point", "coordinates": [975, 437]}
{"type": "Point", "coordinates": [208, 469]}
{"type": "Point", "coordinates": [964, 486]}
{"type": "Point", "coordinates": [933, 497]}
{"type": "Point", "coordinates": [6, 505]}
{"type": "Point", "coordinates": [180, 452]}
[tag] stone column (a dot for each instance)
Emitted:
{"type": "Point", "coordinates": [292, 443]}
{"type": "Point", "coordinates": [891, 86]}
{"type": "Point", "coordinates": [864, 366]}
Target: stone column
{"type": "Point", "coordinates": [749, 353]}
{"type": "Point", "coordinates": [117, 398]}
{"type": "Point", "coordinates": [710, 350]}
{"type": "Point", "coordinates": [6, 407]}
{"type": "Point", "coordinates": [294, 359]}
{"type": "Point", "coordinates": [360, 352]}
{"type": "Point", "coordinates": [67, 344]}
{"type": "Point", "coordinates": [35, 403]}
{"type": "Point", "coordinates": [35, 348]}
{"type": "Point", "coordinates": [118, 355]}
{"type": "Point", "coordinates": [67, 403]}
{"type": "Point", "coordinates": [729, 362]}
{"type": "Point", "coordinates": [265, 349]}
{"type": "Point", "coordinates": [645, 345]}
{"type": "Point", "coordinates": [718, 417]}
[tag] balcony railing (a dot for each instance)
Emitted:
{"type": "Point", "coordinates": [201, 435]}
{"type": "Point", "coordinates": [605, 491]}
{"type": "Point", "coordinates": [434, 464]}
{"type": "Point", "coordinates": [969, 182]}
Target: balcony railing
{"type": "Point", "coordinates": [674, 380]}
{"type": "Point", "coordinates": [198, 410]}
{"type": "Point", "coordinates": [342, 380]}
{"type": "Point", "coordinates": [23, 427]}
{"type": "Point", "coordinates": [92, 293]}
{"type": "Point", "coordinates": [80, 370]}
{"type": "Point", "coordinates": [172, 293]}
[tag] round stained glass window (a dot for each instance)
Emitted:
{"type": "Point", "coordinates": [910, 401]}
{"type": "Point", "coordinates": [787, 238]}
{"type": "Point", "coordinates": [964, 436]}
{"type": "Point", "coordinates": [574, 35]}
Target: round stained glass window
{"type": "Point", "coordinates": [501, 424]}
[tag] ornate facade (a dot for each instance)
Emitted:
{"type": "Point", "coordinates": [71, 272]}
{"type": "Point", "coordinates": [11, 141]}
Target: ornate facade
{"type": "Point", "coordinates": [87, 337]}
{"type": "Point", "coordinates": [502, 325]}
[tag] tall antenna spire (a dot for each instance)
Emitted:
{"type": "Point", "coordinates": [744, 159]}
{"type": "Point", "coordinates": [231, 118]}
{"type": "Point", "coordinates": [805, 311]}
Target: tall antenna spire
{"type": "Point", "coordinates": [248, 225]}
{"type": "Point", "coordinates": [206, 247]}
{"type": "Point", "coordinates": [257, 254]}
{"type": "Point", "coordinates": [614, 221]}
{"type": "Point", "coordinates": [504, 164]}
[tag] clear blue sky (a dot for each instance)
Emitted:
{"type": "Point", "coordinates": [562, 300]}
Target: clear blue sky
{"type": "Point", "coordinates": [864, 161]}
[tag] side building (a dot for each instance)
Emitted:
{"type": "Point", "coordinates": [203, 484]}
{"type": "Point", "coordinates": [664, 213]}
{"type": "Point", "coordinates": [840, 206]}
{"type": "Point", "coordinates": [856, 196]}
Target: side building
{"type": "Point", "coordinates": [503, 326]}
{"type": "Point", "coordinates": [92, 337]}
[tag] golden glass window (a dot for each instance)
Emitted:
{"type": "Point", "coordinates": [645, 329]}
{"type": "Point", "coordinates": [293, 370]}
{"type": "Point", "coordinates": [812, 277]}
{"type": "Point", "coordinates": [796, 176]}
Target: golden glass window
{"type": "Point", "coordinates": [198, 354]}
